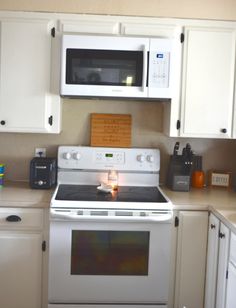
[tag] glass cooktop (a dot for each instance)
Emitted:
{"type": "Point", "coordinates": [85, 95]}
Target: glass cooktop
{"type": "Point", "coordinates": [68, 192]}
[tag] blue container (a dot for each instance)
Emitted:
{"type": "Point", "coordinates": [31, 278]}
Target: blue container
{"type": "Point", "coordinates": [2, 168]}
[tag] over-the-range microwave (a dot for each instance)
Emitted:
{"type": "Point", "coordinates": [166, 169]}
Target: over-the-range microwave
{"type": "Point", "coordinates": [115, 66]}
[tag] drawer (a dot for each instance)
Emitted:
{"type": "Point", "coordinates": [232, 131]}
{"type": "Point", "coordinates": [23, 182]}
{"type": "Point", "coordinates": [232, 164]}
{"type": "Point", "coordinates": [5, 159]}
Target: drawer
{"type": "Point", "coordinates": [19, 219]}
{"type": "Point", "coordinates": [232, 255]}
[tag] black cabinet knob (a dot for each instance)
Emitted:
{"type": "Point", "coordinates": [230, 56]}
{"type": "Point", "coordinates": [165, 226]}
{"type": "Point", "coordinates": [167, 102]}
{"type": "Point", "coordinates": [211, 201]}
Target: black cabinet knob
{"type": "Point", "coordinates": [221, 235]}
{"type": "Point", "coordinates": [3, 122]}
{"type": "Point", "coordinates": [224, 130]}
{"type": "Point", "coordinates": [213, 226]}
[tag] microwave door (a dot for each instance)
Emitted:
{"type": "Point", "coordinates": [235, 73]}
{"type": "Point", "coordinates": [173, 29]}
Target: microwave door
{"type": "Point", "coordinates": [120, 70]}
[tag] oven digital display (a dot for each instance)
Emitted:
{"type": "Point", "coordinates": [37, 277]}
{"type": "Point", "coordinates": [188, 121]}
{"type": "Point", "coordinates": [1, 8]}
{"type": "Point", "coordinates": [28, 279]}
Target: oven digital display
{"type": "Point", "coordinates": [109, 252]}
{"type": "Point", "coordinates": [109, 155]}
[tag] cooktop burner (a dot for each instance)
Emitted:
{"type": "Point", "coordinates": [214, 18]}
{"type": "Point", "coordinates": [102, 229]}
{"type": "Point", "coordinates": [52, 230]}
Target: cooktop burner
{"type": "Point", "coordinates": [123, 194]}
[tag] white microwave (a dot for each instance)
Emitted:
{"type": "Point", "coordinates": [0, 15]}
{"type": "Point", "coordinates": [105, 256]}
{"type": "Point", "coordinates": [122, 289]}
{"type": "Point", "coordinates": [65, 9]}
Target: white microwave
{"type": "Point", "coordinates": [111, 66]}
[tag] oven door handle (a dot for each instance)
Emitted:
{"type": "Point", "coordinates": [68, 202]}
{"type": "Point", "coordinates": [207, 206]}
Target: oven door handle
{"type": "Point", "coordinates": [166, 217]}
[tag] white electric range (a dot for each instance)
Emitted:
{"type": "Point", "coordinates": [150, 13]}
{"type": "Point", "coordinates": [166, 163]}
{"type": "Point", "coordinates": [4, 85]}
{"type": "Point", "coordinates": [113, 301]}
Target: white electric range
{"type": "Point", "coordinates": [110, 229]}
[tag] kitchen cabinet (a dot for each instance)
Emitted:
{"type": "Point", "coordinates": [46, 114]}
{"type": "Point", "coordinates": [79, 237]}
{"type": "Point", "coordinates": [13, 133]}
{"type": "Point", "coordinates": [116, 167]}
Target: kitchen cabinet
{"type": "Point", "coordinates": [28, 100]}
{"type": "Point", "coordinates": [212, 261]}
{"type": "Point", "coordinates": [217, 263]}
{"type": "Point", "coordinates": [231, 284]}
{"type": "Point", "coordinates": [152, 28]}
{"type": "Point", "coordinates": [191, 259]}
{"type": "Point", "coordinates": [207, 82]}
{"type": "Point", "coordinates": [89, 24]}
{"type": "Point", "coordinates": [21, 252]}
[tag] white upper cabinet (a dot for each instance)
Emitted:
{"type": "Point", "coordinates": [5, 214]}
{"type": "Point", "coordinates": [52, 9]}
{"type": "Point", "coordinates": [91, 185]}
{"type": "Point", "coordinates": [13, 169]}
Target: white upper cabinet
{"type": "Point", "coordinates": [27, 102]}
{"type": "Point", "coordinates": [208, 82]}
{"type": "Point", "coordinates": [157, 29]}
{"type": "Point", "coordinates": [88, 25]}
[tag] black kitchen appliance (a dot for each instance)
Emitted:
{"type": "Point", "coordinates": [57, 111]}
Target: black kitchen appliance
{"type": "Point", "coordinates": [43, 172]}
{"type": "Point", "coordinates": [180, 169]}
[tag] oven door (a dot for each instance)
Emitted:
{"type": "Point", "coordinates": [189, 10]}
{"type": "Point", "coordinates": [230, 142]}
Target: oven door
{"type": "Point", "coordinates": [104, 66]}
{"type": "Point", "coordinates": [109, 260]}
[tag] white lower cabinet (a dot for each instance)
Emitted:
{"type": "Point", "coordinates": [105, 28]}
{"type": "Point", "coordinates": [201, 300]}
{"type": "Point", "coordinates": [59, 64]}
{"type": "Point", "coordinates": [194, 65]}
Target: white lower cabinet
{"type": "Point", "coordinates": [217, 263]}
{"type": "Point", "coordinates": [231, 288]}
{"type": "Point", "coordinates": [21, 241]}
{"type": "Point", "coordinates": [231, 285]}
{"type": "Point", "coordinates": [191, 259]}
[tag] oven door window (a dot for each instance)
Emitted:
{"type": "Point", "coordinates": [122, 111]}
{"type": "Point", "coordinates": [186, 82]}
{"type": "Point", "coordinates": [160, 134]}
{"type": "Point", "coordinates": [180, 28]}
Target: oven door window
{"type": "Point", "coordinates": [109, 252]}
{"type": "Point", "coordinates": [104, 67]}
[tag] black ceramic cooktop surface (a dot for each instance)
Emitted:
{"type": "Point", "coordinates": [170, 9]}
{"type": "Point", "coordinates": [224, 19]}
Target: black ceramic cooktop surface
{"type": "Point", "coordinates": [123, 194]}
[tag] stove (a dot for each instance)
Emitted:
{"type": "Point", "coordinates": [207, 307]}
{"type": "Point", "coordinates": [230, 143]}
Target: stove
{"type": "Point", "coordinates": [110, 230]}
{"type": "Point", "coordinates": [83, 169]}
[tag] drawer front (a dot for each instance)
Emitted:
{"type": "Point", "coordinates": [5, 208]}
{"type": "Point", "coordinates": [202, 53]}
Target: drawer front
{"type": "Point", "coordinates": [233, 248]}
{"type": "Point", "coordinates": [21, 219]}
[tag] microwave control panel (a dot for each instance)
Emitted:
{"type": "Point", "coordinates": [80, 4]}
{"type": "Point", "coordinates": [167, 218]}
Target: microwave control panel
{"type": "Point", "coordinates": [159, 63]}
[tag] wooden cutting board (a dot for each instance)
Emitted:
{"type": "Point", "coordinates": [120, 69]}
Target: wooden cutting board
{"type": "Point", "coordinates": [110, 130]}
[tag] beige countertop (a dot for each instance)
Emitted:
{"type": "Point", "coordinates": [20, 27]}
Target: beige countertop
{"type": "Point", "coordinates": [221, 202]}
{"type": "Point", "coordinates": [200, 199]}
{"type": "Point", "coordinates": [19, 194]}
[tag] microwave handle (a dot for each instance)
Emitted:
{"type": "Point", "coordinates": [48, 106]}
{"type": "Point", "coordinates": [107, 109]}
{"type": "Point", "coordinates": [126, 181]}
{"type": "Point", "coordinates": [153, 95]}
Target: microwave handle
{"type": "Point", "coordinates": [144, 68]}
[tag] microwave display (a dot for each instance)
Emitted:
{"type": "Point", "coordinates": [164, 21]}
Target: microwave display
{"type": "Point", "coordinates": [104, 67]}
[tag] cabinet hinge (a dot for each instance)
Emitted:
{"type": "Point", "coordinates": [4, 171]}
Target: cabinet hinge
{"type": "Point", "coordinates": [181, 37]}
{"type": "Point", "coordinates": [178, 124]}
{"type": "Point", "coordinates": [53, 32]}
{"type": "Point", "coordinates": [176, 221]}
{"type": "Point", "coordinates": [227, 274]}
{"type": "Point", "coordinates": [50, 120]}
{"type": "Point", "coordinates": [44, 246]}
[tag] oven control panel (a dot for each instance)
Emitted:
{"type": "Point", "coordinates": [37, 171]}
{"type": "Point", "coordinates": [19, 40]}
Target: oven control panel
{"type": "Point", "coordinates": [98, 158]}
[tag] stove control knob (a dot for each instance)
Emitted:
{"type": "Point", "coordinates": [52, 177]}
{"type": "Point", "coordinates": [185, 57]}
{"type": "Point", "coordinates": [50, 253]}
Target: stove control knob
{"type": "Point", "coordinates": [77, 156]}
{"type": "Point", "coordinates": [40, 182]}
{"type": "Point", "coordinates": [67, 155]}
{"type": "Point", "coordinates": [150, 158]}
{"type": "Point", "coordinates": [140, 158]}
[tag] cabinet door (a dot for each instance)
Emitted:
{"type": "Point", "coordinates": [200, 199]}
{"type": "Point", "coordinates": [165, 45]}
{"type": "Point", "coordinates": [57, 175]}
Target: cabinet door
{"type": "Point", "coordinates": [231, 287]}
{"type": "Point", "coordinates": [20, 269]}
{"type": "Point", "coordinates": [191, 259]}
{"type": "Point", "coordinates": [208, 82]}
{"type": "Point", "coordinates": [25, 68]}
{"type": "Point", "coordinates": [222, 266]}
{"type": "Point", "coordinates": [89, 25]}
{"type": "Point", "coordinates": [146, 28]}
{"type": "Point", "coordinates": [212, 261]}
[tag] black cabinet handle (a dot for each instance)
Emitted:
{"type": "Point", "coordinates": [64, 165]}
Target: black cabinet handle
{"type": "Point", "coordinates": [224, 130]}
{"type": "Point", "coordinates": [13, 218]}
{"type": "Point", "coordinates": [213, 226]}
{"type": "Point", "coordinates": [3, 122]}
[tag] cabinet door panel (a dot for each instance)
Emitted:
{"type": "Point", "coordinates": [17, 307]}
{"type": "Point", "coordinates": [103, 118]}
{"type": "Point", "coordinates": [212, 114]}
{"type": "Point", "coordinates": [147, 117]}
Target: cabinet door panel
{"type": "Point", "coordinates": [231, 287]}
{"type": "Point", "coordinates": [20, 269]}
{"type": "Point", "coordinates": [212, 261]}
{"type": "Point", "coordinates": [191, 259]}
{"type": "Point", "coordinates": [222, 266]}
{"type": "Point", "coordinates": [25, 75]}
{"type": "Point", "coordinates": [208, 82]}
